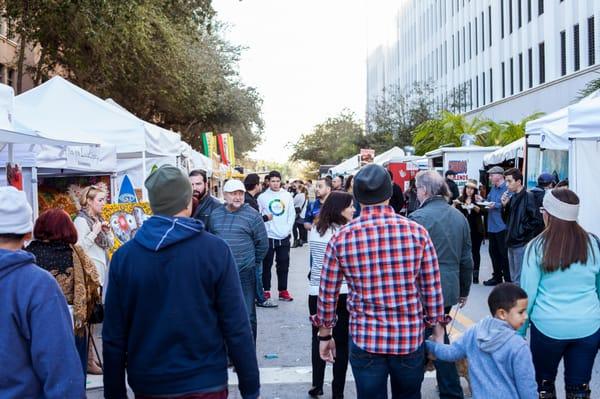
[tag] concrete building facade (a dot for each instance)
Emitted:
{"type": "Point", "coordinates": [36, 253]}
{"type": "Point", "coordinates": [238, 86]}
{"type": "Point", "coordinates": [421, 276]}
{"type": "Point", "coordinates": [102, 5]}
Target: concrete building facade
{"type": "Point", "coordinates": [9, 47]}
{"type": "Point", "coordinates": [505, 59]}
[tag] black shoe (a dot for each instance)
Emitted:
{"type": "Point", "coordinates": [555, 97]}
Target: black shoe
{"type": "Point", "coordinates": [491, 282]}
{"type": "Point", "coordinates": [296, 244]}
{"type": "Point", "coordinates": [315, 391]}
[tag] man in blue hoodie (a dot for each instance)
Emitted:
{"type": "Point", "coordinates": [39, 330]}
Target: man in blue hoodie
{"type": "Point", "coordinates": [174, 303]}
{"type": "Point", "coordinates": [38, 358]}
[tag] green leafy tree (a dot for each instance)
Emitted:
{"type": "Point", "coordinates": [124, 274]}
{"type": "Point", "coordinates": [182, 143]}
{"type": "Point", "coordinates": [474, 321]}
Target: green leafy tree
{"type": "Point", "coordinates": [590, 87]}
{"type": "Point", "coordinates": [163, 60]}
{"type": "Point", "coordinates": [330, 142]}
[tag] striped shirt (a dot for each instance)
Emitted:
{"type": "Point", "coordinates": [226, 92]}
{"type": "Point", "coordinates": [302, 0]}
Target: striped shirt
{"type": "Point", "coordinates": [244, 232]}
{"type": "Point", "coordinates": [318, 244]}
{"type": "Point", "coordinates": [391, 268]}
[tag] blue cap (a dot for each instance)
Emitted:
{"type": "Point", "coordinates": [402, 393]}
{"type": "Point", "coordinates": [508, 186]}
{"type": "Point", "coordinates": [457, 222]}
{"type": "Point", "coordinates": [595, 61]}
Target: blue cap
{"type": "Point", "coordinates": [546, 178]}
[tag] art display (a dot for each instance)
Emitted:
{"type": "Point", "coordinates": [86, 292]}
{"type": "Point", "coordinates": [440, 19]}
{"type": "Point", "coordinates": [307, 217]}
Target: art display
{"type": "Point", "coordinates": [125, 220]}
{"type": "Point", "coordinates": [126, 192]}
{"type": "Point", "coordinates": [63, 192]}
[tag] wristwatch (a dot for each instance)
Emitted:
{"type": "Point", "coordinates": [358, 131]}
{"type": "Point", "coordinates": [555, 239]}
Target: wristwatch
{"type": "Point", "coordinates": [325, 337]}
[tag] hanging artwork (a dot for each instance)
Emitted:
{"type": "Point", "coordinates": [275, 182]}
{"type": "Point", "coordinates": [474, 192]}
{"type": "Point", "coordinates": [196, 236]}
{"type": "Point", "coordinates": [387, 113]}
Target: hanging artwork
{"type": "Point", "coordinates": [125, 220]}
{"type": "Point", "coordinates": [63, 192]}
{"type": "Point", "coordinates": [14, 177]}
{"type": "Point", "coordinates": [126, 192]}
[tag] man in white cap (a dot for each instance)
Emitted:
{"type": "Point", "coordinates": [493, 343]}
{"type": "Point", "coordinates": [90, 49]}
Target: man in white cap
{"type": "Point", "coordinates": [38, 358]}
{"type": "Point", "coordinates": [242, 227]}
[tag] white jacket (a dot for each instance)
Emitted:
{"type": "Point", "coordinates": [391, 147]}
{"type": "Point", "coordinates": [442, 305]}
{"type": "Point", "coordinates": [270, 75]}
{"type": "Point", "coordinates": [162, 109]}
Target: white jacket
{"type": "Point", "coordinates": [280, 204]}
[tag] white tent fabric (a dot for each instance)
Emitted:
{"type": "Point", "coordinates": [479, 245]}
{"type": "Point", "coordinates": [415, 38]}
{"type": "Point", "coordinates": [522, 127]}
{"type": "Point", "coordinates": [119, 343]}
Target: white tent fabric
{"type": "Point", "coordinates": [64, 111]}
{"type": "Point", "coordinates": [533, 129]}
{"type": "Point", "coordinates": [159, 141]}
{"type": "Point", "coordinates": [394, 152]}
{"type": "Point", "coordinates": [509, 151]}
{"type": "Point", "coordinates": [554, 135]}
{"type": "Point", "coordinates": [349, 164]}
{"type": "Point", "coordinates": [200, 161]}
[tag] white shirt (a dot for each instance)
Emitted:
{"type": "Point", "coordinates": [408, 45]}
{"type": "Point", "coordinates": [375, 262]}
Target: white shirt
{"type": "Point", "coordinates": [317, 244]}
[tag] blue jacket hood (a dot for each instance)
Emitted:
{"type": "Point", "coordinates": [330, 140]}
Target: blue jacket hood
{"type": "Point", "coordinates": [12, 260]}
{"type": "Point", "coordinates": [160, 232]}
{"type": "Point", "coordinates": [491, 334]}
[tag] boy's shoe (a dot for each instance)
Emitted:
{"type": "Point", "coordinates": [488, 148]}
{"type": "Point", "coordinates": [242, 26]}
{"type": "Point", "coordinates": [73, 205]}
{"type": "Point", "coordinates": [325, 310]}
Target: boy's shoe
{"type": "Point", "coordinates": [491, 282]}
{"type": "Point", "coordinates": [268, 303]}
{"type": "Point", "coordinates": [285, 296]}
{"type": "Point", "coordinates": [267, 294]}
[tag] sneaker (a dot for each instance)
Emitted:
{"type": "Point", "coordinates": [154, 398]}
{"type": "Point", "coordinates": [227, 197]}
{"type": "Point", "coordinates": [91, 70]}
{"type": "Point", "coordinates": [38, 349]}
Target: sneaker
{"type": "Point", "coordinates": [491, 282]}
{"type": "Point", "coordinates": [268, 303]}
{"type": "Point", "coordinates": [267, 294]}
{"type": "Point", "coordinates": [285, 296]}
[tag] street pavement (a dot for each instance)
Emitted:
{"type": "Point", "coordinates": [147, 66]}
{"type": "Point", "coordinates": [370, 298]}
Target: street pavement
{"type": "Point", "coordinates": [284, 339]}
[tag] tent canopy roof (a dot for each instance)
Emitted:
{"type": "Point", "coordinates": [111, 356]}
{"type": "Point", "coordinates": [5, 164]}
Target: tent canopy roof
{"type": "Point", "coordinates": [471, 148]}
{"type": "Point", "coordinates": [509, 151]}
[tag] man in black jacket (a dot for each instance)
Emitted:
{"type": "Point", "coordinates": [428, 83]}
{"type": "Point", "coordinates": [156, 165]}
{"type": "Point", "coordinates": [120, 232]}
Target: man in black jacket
{"type": "Point", "coordinates": [206, 203]}
{"type": "Point", "coordinates": [397, 199]}
{"type": "Point", "coordinates": [523, 220]}
{"type": "Point", "coordinates": [452, 185]}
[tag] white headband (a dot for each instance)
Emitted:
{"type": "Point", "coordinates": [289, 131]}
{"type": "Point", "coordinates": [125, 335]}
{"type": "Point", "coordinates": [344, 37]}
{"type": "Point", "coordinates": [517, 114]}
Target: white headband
{"type": "Point", "coordinates": [559, 209]}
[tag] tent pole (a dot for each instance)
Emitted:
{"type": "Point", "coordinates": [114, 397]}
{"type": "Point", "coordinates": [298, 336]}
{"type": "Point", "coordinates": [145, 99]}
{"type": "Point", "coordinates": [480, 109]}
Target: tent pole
{"type": "Point", "coordinates": [144, 191]}
{"type": "Point", "coordinates": [11, 154]}
{"type": "Point", "coordinates": [34, 193]}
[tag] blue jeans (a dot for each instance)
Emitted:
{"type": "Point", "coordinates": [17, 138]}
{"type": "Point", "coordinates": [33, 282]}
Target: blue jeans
{"type": "Point", "coordinates": [371, 373]}
{"type": "Point", "coordinates": [248, 282]}
{"type": "Point", "coordinates": [81, 343]}
{"type": "Point", "coordinates": [260, 292]}
{"type": "Point", "coordinates": [579, 355]}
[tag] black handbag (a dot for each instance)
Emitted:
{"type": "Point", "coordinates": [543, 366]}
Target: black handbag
{"type": "Point", "coordinates": [97, 315]}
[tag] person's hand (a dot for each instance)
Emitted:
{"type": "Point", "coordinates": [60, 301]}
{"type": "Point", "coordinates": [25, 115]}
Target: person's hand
{"type": "Point", "coordinates": [269, 217]}
{"type": "Point", "coordinates": [438, 334]}
{"type": "Point", "coordinates": [505, 198]}
{"type": "Point", "coordinates": [96, 227]}
{"type": "Point", "coordinates": [478, 198]}
{"type": "Point", "coordinates": [105, 227]}
{"type": "Point", "coordinates": [462, 301]}
{"type": "Point", "coordinates": [327, 350]}
{"type": "Point", "coordinates": [307, 226]}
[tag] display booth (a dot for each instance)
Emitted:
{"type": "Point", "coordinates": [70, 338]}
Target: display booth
{"type": "Point", "coordinates": [509, 156]}
{"type": "Point", "coordinates": [466, 161]}
{"type": "Point", "coordinates": [405, 168]}
{"type": "Point", "coordinates": [346, 166]}
{"type": "Point", "coordinates": [584, 153]}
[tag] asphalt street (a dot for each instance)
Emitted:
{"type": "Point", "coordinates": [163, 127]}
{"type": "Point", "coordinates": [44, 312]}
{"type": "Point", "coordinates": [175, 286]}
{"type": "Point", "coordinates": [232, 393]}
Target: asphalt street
{"type": "Point", "coordinates": [284, 336]}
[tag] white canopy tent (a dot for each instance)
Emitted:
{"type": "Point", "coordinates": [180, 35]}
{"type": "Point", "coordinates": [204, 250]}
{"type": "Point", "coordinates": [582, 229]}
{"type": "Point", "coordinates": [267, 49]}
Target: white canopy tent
{"type": "Point", "coordinates": [584, 152]}
{"type": "Point", "coordinates": [394, 152]}
{"type": "Point", "coordinates": [349, 164]}
{"type": "Point", "coordinates": [510, 151]}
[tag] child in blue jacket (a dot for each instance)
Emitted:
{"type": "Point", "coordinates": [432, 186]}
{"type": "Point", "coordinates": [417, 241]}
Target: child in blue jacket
{"type": "Point", "coordinates": [500, 364]}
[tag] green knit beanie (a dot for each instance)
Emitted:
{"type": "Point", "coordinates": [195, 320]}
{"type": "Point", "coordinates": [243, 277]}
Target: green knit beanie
{"type": "Point", "coordinates": [169, 190]}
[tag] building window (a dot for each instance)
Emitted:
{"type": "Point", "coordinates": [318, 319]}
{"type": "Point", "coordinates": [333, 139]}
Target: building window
{"type": "Point", "coordinates": [490, 24]}
{"type": "Point", "coordinates": [540, 7]}
{"type": "Point", "coordinates": [502, 19]}
{"type": "Point", "coordinates": [470, 43]}
{"type": "Point", "coordinates": [591, 42]}
{"type": "Point", "coordinates": [2, 71]}
{"type": "Point", "coordinates": [458, 47]}
{"type": "Point", "coordinates": [520, 13]}
{"type": "Point", "coordinates": [520, 71]}
{"type": "Point", "coordinates": [482, 33]}
{"type": "Point", "coordinates": [491, 86]}
{"type": "Point", "coordinates": [11, 77]}
{"type": "Point", "coordinates": [503, 77]}
{"type": "Point", "coordinates": [512, 77]}
{"type": "Point", "coordinates": [528, 10]}
{"type": "Point", "coordinates": [563, 53]}
{"type": "Point", "coordinates": [476, 39]}
{"type": "Point", "coordinates": [477, 91]}
{"type": "Point", "coordinates": [576, 59]}
{"type": "Point", "coordinates": [510, 16]}
{"type": "Point", "coordinates": [464, 36]}
{"type": "Point", "coordinates": [453, 59]}
{"type": "Point", "coordinates": [483, 87]}
{"type": "Point", "coordinates": [542, 58]}
{"type": "Point", "coordinates": [530, 65]}
{"type": "Point", "coordinates": [445, 60]}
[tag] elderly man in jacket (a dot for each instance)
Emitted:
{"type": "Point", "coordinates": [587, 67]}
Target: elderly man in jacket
{"type": "Point", "coordinates": [451, 236]}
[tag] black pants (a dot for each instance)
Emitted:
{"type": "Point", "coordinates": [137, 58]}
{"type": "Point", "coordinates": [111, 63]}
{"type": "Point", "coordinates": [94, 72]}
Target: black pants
{"type": "Point", "coordinates": [499, 255]}
{"type": "Point", "coordinates": [299, 231]}
{"type": "Point", "coordinates": [340, 335]}
{"type": "Point", "coordinates": [280, 250]}
{"type": "Point", "coordinates": [476, 240]}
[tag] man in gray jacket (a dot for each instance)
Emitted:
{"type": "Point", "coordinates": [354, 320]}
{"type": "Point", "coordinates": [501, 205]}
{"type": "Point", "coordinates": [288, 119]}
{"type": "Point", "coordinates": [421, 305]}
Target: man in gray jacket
{"type": "Point", "coordinates": [243, 230]}
{"type": "Point", "coordinates": [449, 231]}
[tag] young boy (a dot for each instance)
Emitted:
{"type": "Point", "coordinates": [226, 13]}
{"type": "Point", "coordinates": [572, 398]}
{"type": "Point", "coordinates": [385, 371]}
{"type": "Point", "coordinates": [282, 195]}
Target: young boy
{"type": "Point", "coordinates": [500, 364]}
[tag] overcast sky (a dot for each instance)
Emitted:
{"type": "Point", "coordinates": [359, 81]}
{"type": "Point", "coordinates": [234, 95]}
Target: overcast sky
{"type": "Point", "coordinates": [307, 59]}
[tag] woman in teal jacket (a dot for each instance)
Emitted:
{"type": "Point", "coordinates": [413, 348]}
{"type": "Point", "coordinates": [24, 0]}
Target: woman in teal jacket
{"type": "Point", "coordinates": [561, 275]}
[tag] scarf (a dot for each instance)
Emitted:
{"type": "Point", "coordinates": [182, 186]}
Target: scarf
{"type": "Point", "coordinates": [86, 292]}
{"type": "Point", "coordinates": [101, 238]}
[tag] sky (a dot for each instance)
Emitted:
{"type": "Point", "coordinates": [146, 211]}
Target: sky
{"type": "Point", "coordinates": [306, 58]}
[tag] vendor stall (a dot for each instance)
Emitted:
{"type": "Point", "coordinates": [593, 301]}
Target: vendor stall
{"type": "Point", "coordinates": [511, 155]}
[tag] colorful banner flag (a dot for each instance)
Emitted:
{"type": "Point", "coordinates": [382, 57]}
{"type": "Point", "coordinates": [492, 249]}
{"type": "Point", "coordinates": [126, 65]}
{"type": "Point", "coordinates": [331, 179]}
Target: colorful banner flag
{"type": "Point", "coordinates": [222, 142]}
{"type": "Point", "coordinates": [231, 151]}
{"type": "Point", "coordinates": [206, 147]}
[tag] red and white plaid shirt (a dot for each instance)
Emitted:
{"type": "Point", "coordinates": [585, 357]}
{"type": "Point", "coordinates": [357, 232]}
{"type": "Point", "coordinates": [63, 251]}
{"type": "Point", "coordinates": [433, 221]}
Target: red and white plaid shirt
{"type": "Point", "coordinates": [391, 268]}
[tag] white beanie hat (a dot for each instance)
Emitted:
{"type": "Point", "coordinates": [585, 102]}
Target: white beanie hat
{"type": "Point", "coordinates": [15, 212]}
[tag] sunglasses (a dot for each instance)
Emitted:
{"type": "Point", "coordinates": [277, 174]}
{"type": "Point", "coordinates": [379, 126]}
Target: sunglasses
{"type": "Point", "coordinates": [542, 210]}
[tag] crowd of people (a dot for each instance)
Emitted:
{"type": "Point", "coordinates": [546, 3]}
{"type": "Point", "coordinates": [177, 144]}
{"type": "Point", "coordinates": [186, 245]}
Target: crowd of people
{"type": "Point", "coordinates": [178, 302]}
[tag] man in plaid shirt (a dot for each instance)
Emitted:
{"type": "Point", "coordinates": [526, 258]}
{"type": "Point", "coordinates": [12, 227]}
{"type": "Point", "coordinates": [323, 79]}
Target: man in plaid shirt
{"type": "Point", "coordinates": [391, 268]}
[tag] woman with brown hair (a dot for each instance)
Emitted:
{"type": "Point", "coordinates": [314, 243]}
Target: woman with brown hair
{"type": "Point", "coordinates": [56, 251]}
{"type": "Point", "coordinates": [561, 275]}
{"type": "Point", "coordinates": [467, 205]}
{"type": "Point", "coordinates": [95, 238]}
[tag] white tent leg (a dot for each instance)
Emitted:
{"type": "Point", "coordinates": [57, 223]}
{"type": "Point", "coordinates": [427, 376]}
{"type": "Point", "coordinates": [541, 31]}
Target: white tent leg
{"type": "Point", "coordinates": [144, 173]}
{"type": "Point", "coordinates": [34, 193]}
{"type": "Point", "coordinates": [113, 188]}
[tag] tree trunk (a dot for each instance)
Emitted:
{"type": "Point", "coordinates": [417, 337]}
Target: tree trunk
{"type": "Point", "coordinates": [20, 65]}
